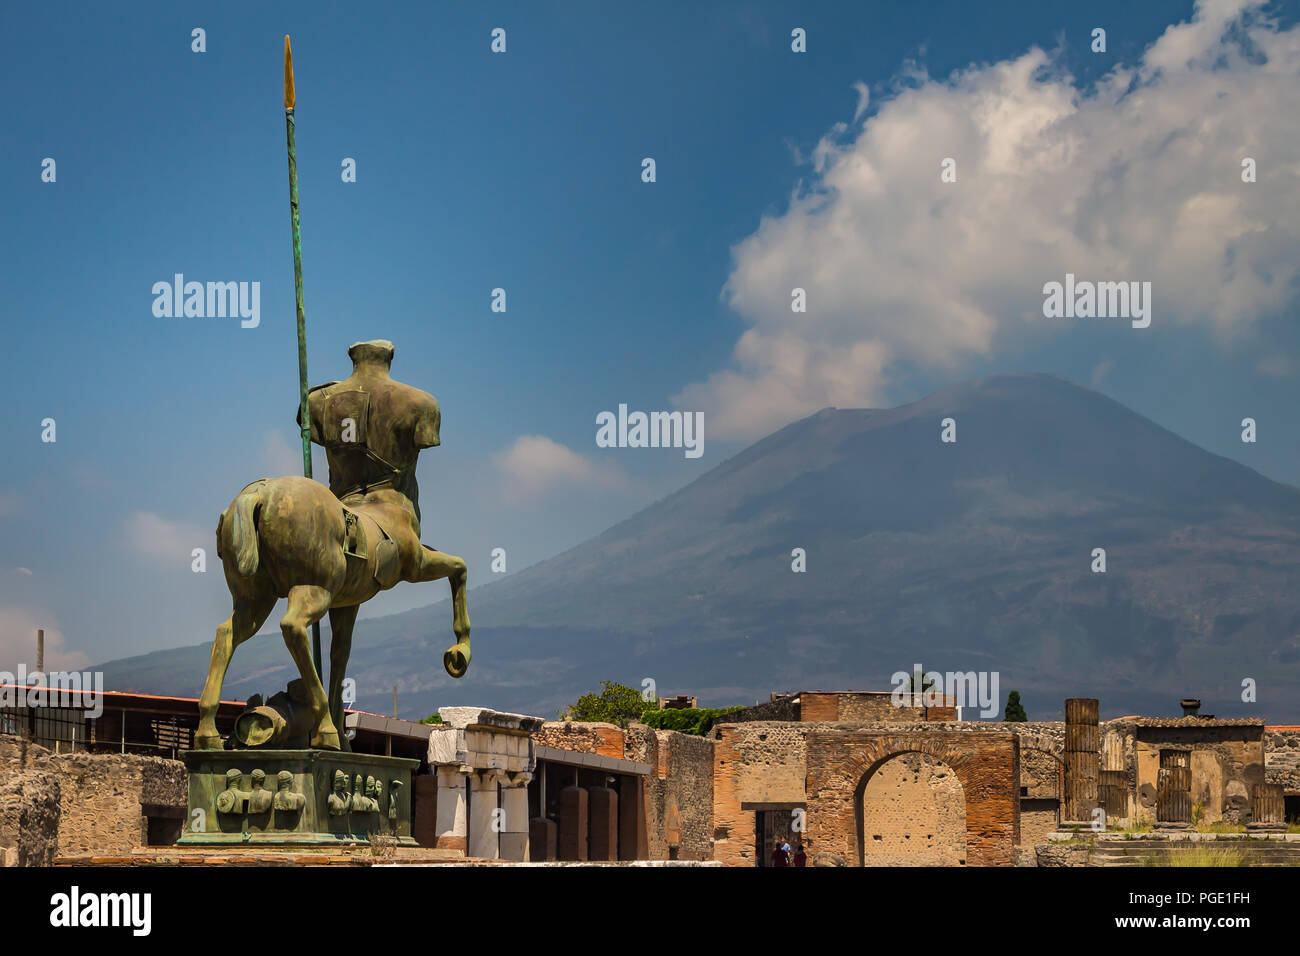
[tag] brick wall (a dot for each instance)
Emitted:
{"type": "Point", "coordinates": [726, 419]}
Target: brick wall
{"type": "Point", "coordinates": [987, 765]}
{"type": "Point", "coordinates": [815, 708]}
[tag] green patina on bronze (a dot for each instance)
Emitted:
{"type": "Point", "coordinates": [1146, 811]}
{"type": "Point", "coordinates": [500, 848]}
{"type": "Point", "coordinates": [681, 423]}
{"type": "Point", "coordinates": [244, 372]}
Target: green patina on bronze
{"type": "Point", "coordinates": [329, 550]}
{"type": "Point", "coordinates": [297, 797]}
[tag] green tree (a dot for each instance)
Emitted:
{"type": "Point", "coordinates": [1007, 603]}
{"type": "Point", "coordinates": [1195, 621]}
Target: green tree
{"type": "Point", "coordinates": [1014, 710]}
{"type": "Point", "coordinates": [615, 704]}
{"type": "Point", "coordinates": [432, 719]}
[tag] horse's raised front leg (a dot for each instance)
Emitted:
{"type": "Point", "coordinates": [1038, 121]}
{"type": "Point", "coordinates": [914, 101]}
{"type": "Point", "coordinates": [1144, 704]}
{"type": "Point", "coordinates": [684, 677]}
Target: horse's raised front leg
{"type": "Point", "coordinates": [249, 615]}
{"type": "Point", "coordinates": [341, 621]}
{"type": "Point", "coordinates": [307, 605]}
{"type": "Point", "coordinates": [435, 565]}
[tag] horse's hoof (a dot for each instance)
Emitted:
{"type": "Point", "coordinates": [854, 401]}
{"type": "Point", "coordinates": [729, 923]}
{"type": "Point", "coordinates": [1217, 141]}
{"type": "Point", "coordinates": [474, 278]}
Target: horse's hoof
{"type": "Point", "coordinates": [207, 742]}
{"type": "Point", "coordinates": [456, 659]}
{"type": "Point", "coordinates": [327, 741]}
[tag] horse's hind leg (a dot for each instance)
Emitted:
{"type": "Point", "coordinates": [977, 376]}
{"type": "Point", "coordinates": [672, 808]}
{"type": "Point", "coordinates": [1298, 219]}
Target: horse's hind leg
{"type": "Point", "coordinates": [341, 621]}
{"type": "Point", "coordinates": [307, 605]}
{"type": "Point", "coordinates": [249, 615]}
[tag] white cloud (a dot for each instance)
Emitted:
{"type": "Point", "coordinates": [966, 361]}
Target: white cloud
{"type": "Point", "coordinates": [18, 624]}
{"type": "Point", "coordinates": [166, 542]}
{"type": "Point", "coordinates": [1139, 179]}
{"type": "Point", "coordinates": [535, 465]}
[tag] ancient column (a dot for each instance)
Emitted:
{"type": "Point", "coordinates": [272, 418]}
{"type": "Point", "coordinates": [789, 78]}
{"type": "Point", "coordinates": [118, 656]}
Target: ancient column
{"type": "Point", "coordinates": [571, 843]}
{"type": "Point", "coordinates": [514, 800]}
{"type": "Point", "coordinates": [484, 825]}
{"type": "Point", "coordinates": [451, 809]}
{"type": "Point", "coordinates": [602, 814]}
{"type": "Point", "coordinates": [1082, 759]}
{"type": "Point", "coordinates": [632, 842]}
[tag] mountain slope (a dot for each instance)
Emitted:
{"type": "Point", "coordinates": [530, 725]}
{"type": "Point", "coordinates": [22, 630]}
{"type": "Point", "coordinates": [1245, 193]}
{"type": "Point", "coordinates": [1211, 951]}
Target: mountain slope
{"type": "Point", "coordinates": [972, 555]}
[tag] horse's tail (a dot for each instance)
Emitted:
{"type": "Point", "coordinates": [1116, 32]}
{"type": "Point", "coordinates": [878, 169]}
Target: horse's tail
{"type": "Point", "coordinates": [243, 530]}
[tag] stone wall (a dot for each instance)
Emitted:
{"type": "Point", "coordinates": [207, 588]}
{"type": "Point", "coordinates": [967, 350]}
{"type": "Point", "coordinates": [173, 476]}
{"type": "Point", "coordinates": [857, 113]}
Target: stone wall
{"type": "Point", "coordinates": [579, 737]}
{"type": "Point", "coordinates": [1282, 758]}
{"type": "Point", "coordinates": [29, 805]}
{"type": "Point", "coordinates": [913, 814]}
{"type": "Point", "coordinates": [783, 708]}
{"type": "Point", "coordinates": [101, 798]}
{"type": "Point", "coordinates": [756, 765]}
{"type": "Point", "coordinates": [679, 797]}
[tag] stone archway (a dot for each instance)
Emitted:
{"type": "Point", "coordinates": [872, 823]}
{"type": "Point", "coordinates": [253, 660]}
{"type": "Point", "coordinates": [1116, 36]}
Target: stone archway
{"type": "Point", "coordinates": [911, 811]}
{"type": "Point", "coordinates": [840, 762]}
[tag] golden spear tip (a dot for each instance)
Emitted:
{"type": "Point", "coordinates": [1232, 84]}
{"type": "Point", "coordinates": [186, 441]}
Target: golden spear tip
{"type": "Point", "coordinates": [288, 75]}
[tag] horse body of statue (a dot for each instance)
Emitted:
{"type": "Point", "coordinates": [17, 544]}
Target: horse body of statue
{"type": "Point", "coordinates": [332, 549]}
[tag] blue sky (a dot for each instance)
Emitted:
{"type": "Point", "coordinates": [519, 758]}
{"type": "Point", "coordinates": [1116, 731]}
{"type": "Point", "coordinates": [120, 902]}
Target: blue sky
{"type": "Point", "coordinates": [522, 171]}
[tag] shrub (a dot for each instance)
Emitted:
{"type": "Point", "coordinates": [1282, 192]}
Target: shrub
{"type": "Point", "coordinates": [687, 720]}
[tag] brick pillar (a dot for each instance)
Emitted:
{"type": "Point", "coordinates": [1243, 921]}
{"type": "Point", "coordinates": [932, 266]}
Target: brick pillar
{"type": "Point", "coordinates": [571, 843]}
{"type": "Point", "coordinates": [450, 828]}
{"type": "Point", "coordinates": [603, 815]}
{"type": "Point", "coordinates": [484, 832]}
{"type": "Point", "coordinates": [632, 843]}
{"type": "Point", "coordinates": [424, 804]}
{"type": "Point", "coordinates": [541, 839]}
{"type": "Point", "coordinates": [514, 800]}
{"type": "Point", "coordinates": [1082, 759]}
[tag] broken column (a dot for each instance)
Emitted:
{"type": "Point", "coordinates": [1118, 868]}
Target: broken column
{"type": "Point", "coordinates": [483, 748]}
{"type": "Point", "coordinates": [1082, 759]}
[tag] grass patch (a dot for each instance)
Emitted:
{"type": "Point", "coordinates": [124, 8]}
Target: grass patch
{"type": "Point", "coordinates": [1220, 826]}
{"type": "Point", "coordinates": [1205, 855]}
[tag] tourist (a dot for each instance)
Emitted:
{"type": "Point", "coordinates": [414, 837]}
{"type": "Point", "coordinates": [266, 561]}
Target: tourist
{"type": "Point", "coordinates": [781, 854]}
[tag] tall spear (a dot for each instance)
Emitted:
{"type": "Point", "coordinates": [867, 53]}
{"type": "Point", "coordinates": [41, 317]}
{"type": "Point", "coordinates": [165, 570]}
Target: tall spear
{"type": "Point", "coordinates": [303, 416]}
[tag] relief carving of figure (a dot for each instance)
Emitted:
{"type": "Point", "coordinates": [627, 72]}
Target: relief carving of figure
{"type": "Point", "coordinates": [285, 797]}
{"type": "Point", "coordinates": [340, 801]}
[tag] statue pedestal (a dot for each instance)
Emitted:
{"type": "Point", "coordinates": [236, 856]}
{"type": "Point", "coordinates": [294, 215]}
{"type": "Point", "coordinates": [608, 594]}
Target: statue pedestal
{"type": "Point", "coordinates": [297, 799]}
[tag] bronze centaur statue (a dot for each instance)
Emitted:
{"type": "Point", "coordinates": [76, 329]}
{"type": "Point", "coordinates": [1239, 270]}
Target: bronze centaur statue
{"type": "Point", "coordinates": [332, 549]}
